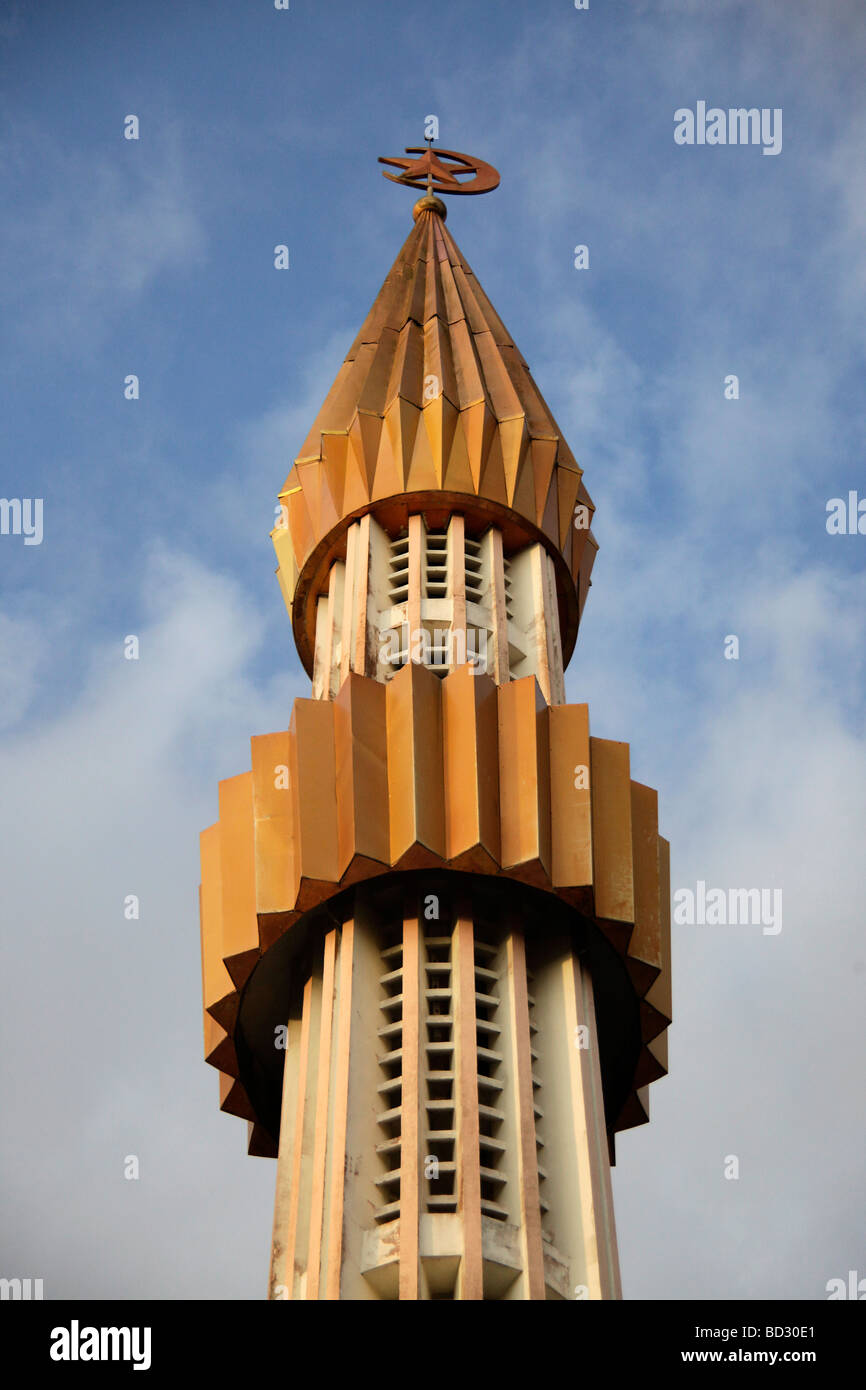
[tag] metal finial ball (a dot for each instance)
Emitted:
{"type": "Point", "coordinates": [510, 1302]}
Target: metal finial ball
{"type": "Point", "coordinates": [433, 203]}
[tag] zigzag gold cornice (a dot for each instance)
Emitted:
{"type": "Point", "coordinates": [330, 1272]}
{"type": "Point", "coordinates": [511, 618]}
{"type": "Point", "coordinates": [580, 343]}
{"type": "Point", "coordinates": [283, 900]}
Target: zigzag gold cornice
{"type": "Point", "coordinates": [435, 773]}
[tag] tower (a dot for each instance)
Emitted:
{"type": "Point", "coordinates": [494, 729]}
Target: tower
{"type": "Point", "coordinates": [435, 913]}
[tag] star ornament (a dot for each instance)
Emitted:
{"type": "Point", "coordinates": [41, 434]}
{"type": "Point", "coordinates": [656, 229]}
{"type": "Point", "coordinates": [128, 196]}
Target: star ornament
{"type": "Point", "coordinates": [432, 174]}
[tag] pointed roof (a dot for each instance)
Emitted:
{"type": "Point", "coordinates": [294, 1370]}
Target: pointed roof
{"type": "Point", "coordinates": [434, 403]}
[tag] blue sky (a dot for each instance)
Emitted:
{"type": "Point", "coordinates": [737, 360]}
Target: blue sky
{"type": "Point", "coordinates": [155, 257]}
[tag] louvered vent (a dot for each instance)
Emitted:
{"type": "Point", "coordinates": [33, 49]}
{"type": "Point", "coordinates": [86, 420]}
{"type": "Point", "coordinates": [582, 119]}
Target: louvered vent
{"type": "Point", "coordinates": [509, 597]}
{"type": "Point", "coordinates": [437, 564]}
{"type": "Point", "coordinates": [490, 1086]}
{"type": "Point", "coordinates": [436, 586]}
{"type": "Point", "coordinates": [399, 570]}
{"type": "Point", "coordinates": [539, 1113]}
{"type": "Point", "coordinates": [440, 1180]}
{"type": "Point", "coordinates": [473, 570]}
{"type": "Point", "coordinates": [390, 1091]}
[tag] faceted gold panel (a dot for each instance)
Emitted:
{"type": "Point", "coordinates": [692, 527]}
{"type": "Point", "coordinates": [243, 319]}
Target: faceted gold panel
{"type": "Point", "coordinates": [430, 772]}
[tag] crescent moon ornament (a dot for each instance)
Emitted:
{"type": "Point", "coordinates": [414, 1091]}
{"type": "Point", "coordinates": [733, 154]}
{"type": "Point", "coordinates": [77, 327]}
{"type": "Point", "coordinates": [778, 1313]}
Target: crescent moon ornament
{"type": "Point", "coordinates": [431, 173]}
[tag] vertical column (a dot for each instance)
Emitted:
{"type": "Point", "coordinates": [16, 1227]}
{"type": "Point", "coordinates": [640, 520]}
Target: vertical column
{"type": "Point", "coordinates": [377, 602]}
{"type": "Point", "coordinates": [358, 640]}
{"type": "Point", "coordinates": [336, 586]}
{"type": "Point", "coordinates": [591, 1132]}
{"type": "Point", "coordinates": [468, 1152]}
{"type": "Point", "coordinates": [321, 649]}
{"type": "Point", "coordinates": [291, 1120]}
{"type": "Point", "coordinates": [521, 1153]}
{"type": "Point", "coordinates": [554, 641]}
{"type": "Point", "coordinates": [323, 1108]}
{"type": "Point", "coordinates": [535, 612]}
{"type": "Point", "coordinates": [350, 604]}
{"type": "Point", "coordinates": [411, 1104]}
{"type": "Point", "coordinates": [417, 568]}
{"type": "Point", "coordinates": [494, 564]}
{"type": "Point", "coordinates": [326, 1174]}
{"type": "Point", "coordinates": [336, 1174]}
{"type": "Point", "coordinates": [329, 627]}
{"type": "Point", "coordinates": [458, 635]}
{"type": "Point", "coordinates": [295, 1162]}
{"type": "Point", "coordinates": [536, 619]}
{"type": "Point", "coordinates": [577, 1181]}
{"type": "Point", "coordinates": [360, 1160]}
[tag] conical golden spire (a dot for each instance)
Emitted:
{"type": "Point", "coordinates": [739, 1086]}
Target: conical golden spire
{"type": "Point", "coordinates": [434, 405]}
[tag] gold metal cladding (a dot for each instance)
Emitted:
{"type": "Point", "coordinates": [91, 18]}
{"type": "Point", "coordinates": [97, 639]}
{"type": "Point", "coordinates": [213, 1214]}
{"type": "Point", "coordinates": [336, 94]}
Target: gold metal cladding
{"type": "Point", "coordinates": [433, 407]}
{"type": "Point", "coordinates": [524, 781]}
{"type": "Point", "coordinates": [430, 772]}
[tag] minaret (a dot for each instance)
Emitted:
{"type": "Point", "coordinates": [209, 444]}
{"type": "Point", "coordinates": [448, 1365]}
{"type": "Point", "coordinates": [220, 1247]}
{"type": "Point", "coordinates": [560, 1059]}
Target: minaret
{"type": "Point", "coordinates": [435, 913]}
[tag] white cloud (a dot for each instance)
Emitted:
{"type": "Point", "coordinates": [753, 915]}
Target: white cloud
{"type": "Point", "coordinates": [103, 1017]}
{"type": "Point", "coordinates": [265, 447]}
{"type": "Point", "coordinates": [23, 652]}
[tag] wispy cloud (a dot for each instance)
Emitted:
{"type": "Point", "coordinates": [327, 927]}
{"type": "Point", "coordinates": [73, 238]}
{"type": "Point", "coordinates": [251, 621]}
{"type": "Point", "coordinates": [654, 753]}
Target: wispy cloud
{"type": "Point", "coordinates": [90, 235]}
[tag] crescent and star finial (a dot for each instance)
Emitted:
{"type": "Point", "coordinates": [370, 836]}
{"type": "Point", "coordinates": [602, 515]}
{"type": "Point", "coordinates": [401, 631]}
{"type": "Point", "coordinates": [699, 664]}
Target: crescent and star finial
{"type": "Point", "coordinates": [442, 171]}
